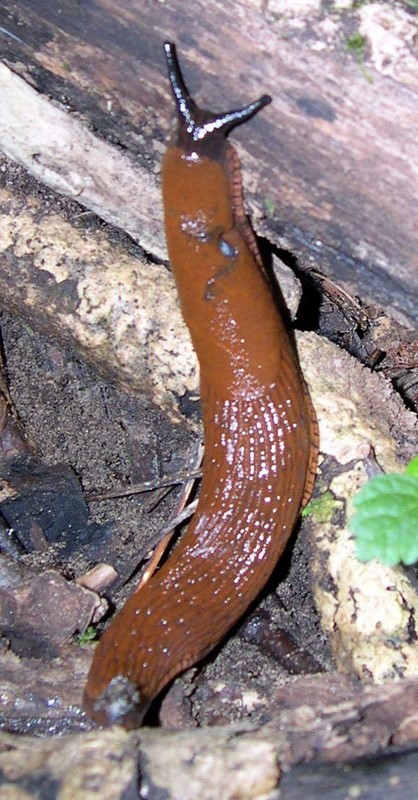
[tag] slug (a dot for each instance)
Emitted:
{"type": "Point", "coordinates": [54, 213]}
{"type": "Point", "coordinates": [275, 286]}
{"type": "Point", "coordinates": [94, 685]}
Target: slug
{"type": "Point", "coordinates": [260, 431]}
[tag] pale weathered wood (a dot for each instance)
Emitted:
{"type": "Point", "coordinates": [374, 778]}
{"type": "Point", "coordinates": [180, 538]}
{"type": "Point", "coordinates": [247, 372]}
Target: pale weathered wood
{"type": "Point", "coordinates": [61, 152]}
{"type": "Point", "coordinates": [90, 287]}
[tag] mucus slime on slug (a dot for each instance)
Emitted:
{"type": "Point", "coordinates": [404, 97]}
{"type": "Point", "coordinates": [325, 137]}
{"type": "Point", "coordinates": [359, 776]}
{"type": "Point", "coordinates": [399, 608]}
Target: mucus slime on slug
{"type": "Point", "coordinates": [259, 426]}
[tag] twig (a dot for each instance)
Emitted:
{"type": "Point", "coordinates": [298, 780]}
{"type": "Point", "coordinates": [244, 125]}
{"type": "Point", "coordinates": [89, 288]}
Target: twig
{"type": "Point", "coordinates": [146, 486]}
{"type": "Point", "coordinates": [162, 539]}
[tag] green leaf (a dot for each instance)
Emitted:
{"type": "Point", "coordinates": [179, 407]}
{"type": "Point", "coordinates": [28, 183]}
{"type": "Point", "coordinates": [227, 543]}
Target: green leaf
{"type": "Point", "coordinates": [385, 522]}
{"type": "Point", "coordinates": [88, 636]}
{"type": "Point", "coordinates": [321, 508]}
{"type": "Point", "coordinates": [412, 468]}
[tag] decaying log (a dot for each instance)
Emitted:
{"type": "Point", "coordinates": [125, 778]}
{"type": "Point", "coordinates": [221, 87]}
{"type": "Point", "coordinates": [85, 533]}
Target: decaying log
{"type": "Point", "coordinates": [332, 739]}
{"type": "Point", "coordinates": [331, 166]}
{"type": "Point", "coordinates": [61, 152]}
{"type": "Point", "coordinates": [115, 304]}
{"type": "Point", "coordinates": [89, 287]}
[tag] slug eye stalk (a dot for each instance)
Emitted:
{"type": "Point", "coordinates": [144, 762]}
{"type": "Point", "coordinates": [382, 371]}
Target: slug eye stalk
{"type": "Point", "coordinates": [201, 123]}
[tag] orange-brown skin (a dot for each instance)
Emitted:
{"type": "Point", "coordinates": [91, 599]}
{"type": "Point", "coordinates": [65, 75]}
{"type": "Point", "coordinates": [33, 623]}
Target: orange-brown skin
{"type": "Point", "coordinates": [260, 430]}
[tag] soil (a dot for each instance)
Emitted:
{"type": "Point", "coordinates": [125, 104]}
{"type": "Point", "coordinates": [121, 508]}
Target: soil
{"type": "Point", "coordinates": [113, 440]}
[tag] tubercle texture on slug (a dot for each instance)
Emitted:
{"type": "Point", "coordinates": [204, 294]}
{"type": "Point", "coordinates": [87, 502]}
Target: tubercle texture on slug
{"type": "Point", "coordinates": [260, 434]}
{"type": "Point", "coordinates": [244, 518]}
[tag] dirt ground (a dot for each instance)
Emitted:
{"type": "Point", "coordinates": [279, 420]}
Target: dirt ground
{"type": "Point", "coordinates": [113, 440]}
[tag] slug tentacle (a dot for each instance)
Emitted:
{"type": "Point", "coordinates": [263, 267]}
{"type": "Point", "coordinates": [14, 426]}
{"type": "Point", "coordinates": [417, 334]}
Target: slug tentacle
{"type": "Point", "coordinates": [200, 124]}
{"type": "Point", "coordinates": [260, 429]}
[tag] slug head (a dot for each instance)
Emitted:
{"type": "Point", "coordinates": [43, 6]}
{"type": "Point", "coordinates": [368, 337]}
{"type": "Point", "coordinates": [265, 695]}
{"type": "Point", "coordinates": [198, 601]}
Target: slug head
{"type": "Point", "coordinates": [199, 128]}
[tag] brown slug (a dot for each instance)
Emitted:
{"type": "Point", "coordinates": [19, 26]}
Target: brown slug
{"type": "Point", "coordinates": [259, 427]}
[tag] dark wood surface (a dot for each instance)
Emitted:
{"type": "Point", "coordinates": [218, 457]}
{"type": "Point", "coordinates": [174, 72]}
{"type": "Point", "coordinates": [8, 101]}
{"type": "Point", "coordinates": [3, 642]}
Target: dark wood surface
{"type": "Point", "coordinates": [330, 166]}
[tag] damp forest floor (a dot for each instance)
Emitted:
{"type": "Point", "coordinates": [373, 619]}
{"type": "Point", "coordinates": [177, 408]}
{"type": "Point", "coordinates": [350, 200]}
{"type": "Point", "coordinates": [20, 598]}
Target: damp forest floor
{"type": "Point", "coordinates": [92, 439]}
{"type": "Point", "coordinates": [111, 440]}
